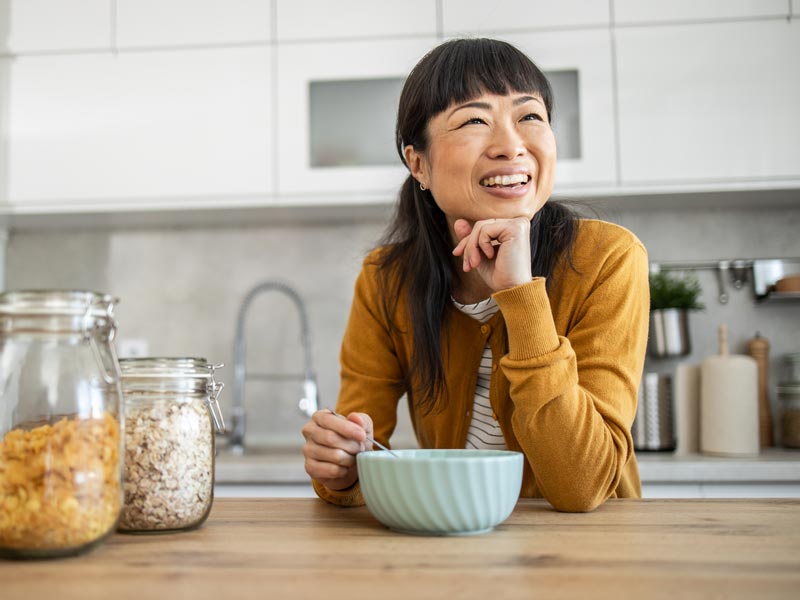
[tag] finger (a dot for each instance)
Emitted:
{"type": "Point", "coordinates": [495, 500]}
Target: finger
{"type": "Point", "coordinates": [329, 455]}
{"type": "Point", "coordinates": [364, 420]}
{"type": "Point", "coordinates": [459, 249]}
{"type": "Point", "coordinates": [347, 429]}
{"type": "Point", "coordinates": [331, 439]}
{"type": "Point", "coordinates": [485, 242]}
{"type": "Point", "coordinates": [324, 471]}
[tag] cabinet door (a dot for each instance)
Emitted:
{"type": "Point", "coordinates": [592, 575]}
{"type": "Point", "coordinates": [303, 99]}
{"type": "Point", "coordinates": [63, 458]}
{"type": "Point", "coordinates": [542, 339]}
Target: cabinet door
{"type": "Point", "coordinates": [588, 53]}
{"type": "Point", "coordinates": [304, 69]}
{"type": "Point", "coordinates": [140, 127]}
{"type": "Point", "coordinates": [712, 103]}
{"type": "Point", "coordinates": [36, 25]}
{"type": "Point", "coordinates": [326, 20]}
{"type": "Point", "coordinates": [653, 11]}
{"type": "Point", "coordinates": [176, 22]}
{"type": "Point", "coordinates": [469, 16]}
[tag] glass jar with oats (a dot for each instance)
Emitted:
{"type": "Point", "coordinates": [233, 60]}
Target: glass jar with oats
{"type": "Point", "coordinates": [171, 415]}
{"type": "Point", "coordinates": [60, 423]}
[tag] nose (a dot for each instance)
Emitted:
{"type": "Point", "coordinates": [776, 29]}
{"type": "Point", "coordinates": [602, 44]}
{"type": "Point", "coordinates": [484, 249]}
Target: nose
{"type": "Point", "coordinates": [506, 142]}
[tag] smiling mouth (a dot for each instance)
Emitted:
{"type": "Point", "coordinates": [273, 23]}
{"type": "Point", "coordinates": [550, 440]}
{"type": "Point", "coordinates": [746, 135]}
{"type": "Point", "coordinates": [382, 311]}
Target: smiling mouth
{"type": "Point", "coordinates": [505, 181]}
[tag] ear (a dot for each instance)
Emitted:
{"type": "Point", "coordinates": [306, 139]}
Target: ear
{"type": "Point", "coordinates": [417, 164]}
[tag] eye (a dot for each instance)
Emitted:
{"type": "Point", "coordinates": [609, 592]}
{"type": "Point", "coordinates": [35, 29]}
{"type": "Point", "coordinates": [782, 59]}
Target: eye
{"type": "Point", "coordinates": [533, 117]}
{"type": "Point", "coordinates": [474, 121]}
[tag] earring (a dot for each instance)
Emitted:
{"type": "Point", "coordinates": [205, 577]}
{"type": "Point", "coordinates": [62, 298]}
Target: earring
{"type": "Point", "coordinates": [422, 187]}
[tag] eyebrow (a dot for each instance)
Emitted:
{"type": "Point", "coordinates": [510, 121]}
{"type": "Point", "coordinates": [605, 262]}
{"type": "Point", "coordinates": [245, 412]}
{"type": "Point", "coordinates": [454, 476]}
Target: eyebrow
{"type": "Point", "coordinates": [487, 106]}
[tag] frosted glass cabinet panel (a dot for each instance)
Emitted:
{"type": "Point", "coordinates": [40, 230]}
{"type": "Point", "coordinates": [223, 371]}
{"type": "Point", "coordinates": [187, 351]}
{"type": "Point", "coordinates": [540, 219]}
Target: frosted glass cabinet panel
{"type": "Point", "coordinates": [312, 81]}
{"type": "Point", "coordinates": [709, 103]}
{"type": "Point", "coordinates": [579, 66]}
{"type": "Point", "coordinates": [36, 25]}
{"type": "Point", "coordinates": [338, 109]}
{"type": "Point", "coordinates": [139, 125]}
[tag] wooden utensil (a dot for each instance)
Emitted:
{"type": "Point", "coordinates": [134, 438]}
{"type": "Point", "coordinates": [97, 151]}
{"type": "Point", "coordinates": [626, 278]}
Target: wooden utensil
{"type": "Point", "coordinates": [758, 348]}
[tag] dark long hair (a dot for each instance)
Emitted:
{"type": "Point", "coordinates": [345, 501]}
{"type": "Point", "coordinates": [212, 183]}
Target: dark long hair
{"type": "Point", "coordinates": [417, 260]}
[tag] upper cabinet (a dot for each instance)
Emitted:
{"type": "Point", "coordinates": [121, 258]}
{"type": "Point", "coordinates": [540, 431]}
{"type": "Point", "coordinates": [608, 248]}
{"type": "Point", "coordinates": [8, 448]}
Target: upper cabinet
{"type": "Point", "coordinates": [658, 11]}
{"type": "Point", "coordinates": [184, 22]}
{"type": "Point", "coordinates": [584, 112]}
{"type": "Point", "coordinates": [326, 20]}
{"type": "Point", "coordinates": [709, 103]}
{"type": "Point", "coordinates": [461, 17]}
{"type": "Point", "coordinates": [47, 25]}
{"type": "Point", "coordinates": [336, 108]}
{"type": "Point", "coordinates": [159, 125]}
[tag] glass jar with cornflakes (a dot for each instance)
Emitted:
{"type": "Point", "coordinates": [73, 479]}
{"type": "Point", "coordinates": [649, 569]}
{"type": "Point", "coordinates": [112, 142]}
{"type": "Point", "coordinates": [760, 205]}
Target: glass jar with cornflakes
{"type": "Point", "coordinates": [171, 415]}
{"type": "Point", "coordinates": [60, 423]}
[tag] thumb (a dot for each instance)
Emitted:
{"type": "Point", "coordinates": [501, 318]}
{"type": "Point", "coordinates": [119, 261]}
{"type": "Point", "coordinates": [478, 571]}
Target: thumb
{"type": "Point", "coordinates": [462, 228]}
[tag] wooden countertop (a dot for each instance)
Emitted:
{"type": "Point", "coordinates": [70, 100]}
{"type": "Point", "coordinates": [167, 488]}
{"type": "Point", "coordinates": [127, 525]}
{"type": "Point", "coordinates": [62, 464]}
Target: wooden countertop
{"type": "Point", "coordinates": [293, 548]}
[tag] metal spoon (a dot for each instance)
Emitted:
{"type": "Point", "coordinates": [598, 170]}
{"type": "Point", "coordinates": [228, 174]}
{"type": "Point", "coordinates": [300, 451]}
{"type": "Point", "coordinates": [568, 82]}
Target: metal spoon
{"type": "Point", "coordinates": [369, 439]}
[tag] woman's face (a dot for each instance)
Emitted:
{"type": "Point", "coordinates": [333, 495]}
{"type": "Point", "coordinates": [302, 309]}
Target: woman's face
{"type": "Point", "coordinates": [491, 157]}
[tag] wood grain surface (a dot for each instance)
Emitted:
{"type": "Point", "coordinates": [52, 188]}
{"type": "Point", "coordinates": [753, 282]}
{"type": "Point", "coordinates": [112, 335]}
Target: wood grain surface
{"type": "Point", "coordinates": [304, 548]}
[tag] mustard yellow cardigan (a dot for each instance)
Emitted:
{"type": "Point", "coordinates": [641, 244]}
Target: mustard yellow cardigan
{"type": "Point", "coordinates": [566, 367]}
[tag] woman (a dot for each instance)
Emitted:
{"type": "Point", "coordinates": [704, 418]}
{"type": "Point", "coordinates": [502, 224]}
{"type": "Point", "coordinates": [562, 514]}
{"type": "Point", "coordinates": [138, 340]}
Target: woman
{"type": "Point", "coordinates": [508, 322]}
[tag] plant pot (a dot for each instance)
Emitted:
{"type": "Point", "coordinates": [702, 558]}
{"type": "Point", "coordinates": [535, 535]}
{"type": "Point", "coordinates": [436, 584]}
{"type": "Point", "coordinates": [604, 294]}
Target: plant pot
{"type": "Point", "coordinates": [669, 333]}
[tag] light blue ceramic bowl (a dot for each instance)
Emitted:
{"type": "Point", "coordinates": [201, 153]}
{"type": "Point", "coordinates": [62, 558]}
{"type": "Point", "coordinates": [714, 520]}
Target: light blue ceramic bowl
{"type": "Point", "coordinates": [441, 492]}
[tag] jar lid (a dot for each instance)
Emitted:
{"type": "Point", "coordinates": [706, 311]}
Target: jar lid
{"type": "Point", "coordinates": [181, 374]}
{"type": "Point", "coordinates": [72, 303]}
{"type": "Point", "coordinates": [169, 367]}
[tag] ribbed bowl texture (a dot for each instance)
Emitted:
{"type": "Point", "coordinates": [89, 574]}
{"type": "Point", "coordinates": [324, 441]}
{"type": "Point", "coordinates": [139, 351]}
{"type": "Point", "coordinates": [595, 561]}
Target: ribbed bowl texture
{"type": "Point", "coordinates": [441, 492]}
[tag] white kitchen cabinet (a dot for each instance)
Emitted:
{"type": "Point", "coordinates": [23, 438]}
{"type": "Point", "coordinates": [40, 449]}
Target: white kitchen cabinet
{"type": "Point", "coordinates": [179, 22]}
{"type": "Point", "coordinates": [105, 130]}
{"type": "Point", "coordinates": [301, 64]}
{"type": "Point", "coordinates": [323, 19]}
{"type": "Point", "coordinates": [46, 25]}
{"type": "Point", "coordinates": [588, 52]}
{"type": "Point", "coordinates": [709, 103]}
{"type": "Point", "coordinates": [658, 11]}
{"type": "Point", "coordinates": [460, 17]}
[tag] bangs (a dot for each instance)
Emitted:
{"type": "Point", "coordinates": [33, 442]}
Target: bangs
{"type": "Point", "coordinates": [464, 69]}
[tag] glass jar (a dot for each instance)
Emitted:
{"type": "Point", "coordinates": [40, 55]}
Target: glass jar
{"type": "Point", "coordinates": [789, 395]}
{"type": "Point", "coordinates": [60, 423]}
{"type": "Point", "coordinates": [792, 362]}
{"type": "Point", "coordinates": [171, 413]}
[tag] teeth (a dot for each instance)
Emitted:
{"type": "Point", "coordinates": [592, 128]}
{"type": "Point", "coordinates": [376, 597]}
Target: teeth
{"type": "Point", "coordinates": [505, 180]}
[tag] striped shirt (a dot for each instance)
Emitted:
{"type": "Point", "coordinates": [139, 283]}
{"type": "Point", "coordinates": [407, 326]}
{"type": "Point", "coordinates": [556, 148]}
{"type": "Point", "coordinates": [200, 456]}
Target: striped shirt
{"type": "Point", "coordinates": [484, 432]}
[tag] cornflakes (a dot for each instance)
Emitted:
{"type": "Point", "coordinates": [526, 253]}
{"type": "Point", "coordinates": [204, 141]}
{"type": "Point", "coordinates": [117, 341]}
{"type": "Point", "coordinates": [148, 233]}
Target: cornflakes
{"type": "Point", "coordinates": [59, 484]}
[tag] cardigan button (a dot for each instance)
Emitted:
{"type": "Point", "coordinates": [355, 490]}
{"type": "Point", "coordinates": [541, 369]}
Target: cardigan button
{"type": "Point", "coordinates": [494, 367]}
{"type": "Point", "coordinates": [485, 329]}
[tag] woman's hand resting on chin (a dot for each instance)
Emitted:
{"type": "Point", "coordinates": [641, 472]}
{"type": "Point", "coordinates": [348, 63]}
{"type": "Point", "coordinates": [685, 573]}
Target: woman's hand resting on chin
{"type": "Point", "coordinates": [498, 249]}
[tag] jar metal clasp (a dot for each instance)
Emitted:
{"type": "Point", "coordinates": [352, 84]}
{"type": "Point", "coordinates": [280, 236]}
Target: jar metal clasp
{"type": "Point", "coordinates": [214, 389]}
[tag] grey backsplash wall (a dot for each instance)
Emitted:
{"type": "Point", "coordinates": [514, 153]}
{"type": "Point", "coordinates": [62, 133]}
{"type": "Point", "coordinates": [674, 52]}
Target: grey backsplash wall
{"type": "Point", "coordinates": [180, 290]}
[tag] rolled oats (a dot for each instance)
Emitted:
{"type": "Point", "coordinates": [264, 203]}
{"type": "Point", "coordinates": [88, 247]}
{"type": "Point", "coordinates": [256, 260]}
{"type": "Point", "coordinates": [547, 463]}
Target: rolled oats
{"type": "Point", "coordinates": [169, 463]}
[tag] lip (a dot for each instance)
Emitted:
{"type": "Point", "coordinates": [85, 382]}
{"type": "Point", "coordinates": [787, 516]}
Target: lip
{"type": "Point", "coordinates": [510, 193]}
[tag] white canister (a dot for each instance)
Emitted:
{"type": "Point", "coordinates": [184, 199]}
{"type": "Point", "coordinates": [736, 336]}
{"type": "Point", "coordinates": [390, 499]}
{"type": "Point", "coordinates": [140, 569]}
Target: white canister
{"type": "Point", "coordinates": [729, 403]}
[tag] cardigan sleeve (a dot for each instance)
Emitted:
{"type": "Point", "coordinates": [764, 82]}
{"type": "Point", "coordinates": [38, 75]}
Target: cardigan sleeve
{"type": "Point", "coordinates": [372, 379]}
{"type": "Point", "coordinates": [575, 397]}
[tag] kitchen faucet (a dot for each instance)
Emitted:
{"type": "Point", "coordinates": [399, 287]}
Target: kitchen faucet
{"type": "Point", "coordinates": [308, 403]}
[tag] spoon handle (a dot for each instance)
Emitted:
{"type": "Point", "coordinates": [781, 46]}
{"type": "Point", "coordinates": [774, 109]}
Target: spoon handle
{"type": "Point", "coordinates": [369, 439]}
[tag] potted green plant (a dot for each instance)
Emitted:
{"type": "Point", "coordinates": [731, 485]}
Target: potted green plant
{"type": "Point", "coordinates": [672, 296]}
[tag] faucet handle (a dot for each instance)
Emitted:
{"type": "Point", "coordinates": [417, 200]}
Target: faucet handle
{"type": "Point", "coordinates": [308, 403]}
